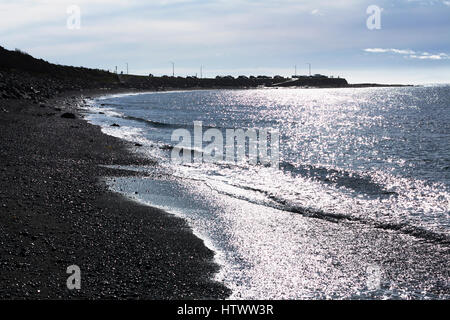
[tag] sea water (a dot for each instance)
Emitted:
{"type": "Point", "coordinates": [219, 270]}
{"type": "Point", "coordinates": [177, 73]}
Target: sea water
{"type": "Point", "coordinates": [351, 161]}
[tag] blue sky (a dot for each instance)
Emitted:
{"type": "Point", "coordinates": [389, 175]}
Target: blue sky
{"type": "Point", "coordinates": [239, 37]}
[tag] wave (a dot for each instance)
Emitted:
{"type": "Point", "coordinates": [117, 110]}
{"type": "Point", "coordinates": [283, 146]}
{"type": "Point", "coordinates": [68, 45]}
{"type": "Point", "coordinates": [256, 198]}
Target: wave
{"type": "Point", "coordinates": [339, 178]}
{"type": "Point", "coordinates": [282, 204]}
{"type": "Point", "coordinates": [158, 124]}
{"type": "Point", "coordinates": [155, 124]}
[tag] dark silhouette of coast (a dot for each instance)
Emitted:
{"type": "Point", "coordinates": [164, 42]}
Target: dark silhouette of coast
{"type": "Point", "coordinates": [24, 77]}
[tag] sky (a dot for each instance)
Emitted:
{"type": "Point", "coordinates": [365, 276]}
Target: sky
{"type": "Point", "coordinates": [238, 37]}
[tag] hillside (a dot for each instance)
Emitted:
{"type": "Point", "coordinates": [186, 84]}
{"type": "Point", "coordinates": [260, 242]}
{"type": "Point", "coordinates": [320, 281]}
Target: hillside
{"type": "Point", "coordinates": [25, 77]}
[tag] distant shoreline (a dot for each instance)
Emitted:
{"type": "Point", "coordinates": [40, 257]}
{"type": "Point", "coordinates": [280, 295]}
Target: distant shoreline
{"type": "Point", "coordinates": [25, 77]}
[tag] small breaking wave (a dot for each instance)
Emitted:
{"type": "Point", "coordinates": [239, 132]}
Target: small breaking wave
{"type": "Point", "coordinates": [280, 203]}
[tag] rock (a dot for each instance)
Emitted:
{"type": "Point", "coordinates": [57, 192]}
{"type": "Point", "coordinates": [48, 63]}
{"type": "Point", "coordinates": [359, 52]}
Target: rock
{"type": "Point", "coordinates": [138, 145]}
{"type": "Point", "coordinates": [115, 125]}
{"type": "Point", "coordinates": [166, 147]}
{"type": "Point", "coordinates": [68, 115]}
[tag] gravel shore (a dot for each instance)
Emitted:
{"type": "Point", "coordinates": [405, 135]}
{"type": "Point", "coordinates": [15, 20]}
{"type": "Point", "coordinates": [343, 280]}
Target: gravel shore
{"type": "Point", "coordinates": [57, 212]}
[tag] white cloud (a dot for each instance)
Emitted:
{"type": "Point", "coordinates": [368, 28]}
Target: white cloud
{"type": "Point", "coordinates": [316, 12]}
{"type": "Point", "coordinates": [402, 51]}
{"type": "Point", "coordinates": [381, 50]}
{"type": "Point", "coordinates": [410, 53]}
{"type": "Point", "coordinates": [376, 50]}
{"type": "Point", "coordinates": [427, 56]}
{"type": "Point", "coordinates": [431, 2]}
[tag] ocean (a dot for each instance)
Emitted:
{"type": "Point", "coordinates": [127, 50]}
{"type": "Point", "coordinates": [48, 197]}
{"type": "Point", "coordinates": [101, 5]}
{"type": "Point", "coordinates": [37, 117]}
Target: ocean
{"type": "Point", "coordinates": [362, 174]}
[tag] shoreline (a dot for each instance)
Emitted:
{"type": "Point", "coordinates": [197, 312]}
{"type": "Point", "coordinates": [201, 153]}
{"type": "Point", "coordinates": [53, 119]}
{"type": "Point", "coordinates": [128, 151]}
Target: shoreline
{"type": "Point", "coordinates": [59, 212]}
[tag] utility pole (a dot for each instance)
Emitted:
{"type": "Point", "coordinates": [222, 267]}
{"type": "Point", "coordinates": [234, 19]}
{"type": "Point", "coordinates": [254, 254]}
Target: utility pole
{"type": "Point", "coordinates": [295, 70]}
{"type": "Point", "coordinates": [127, 67]}
{"type": "Point", "coordinates": [116, 69]}
{"type": "Point", "coordinates": [173, 68]}
{"type": "Point", "coordinates": [309, 68]}
{"type": "Point", "coordinates": [201, 72]}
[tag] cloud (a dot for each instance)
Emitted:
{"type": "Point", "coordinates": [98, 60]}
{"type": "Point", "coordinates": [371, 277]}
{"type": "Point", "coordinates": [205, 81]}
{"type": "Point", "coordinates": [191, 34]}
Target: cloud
{"type": "Point", "coordinates": [316, 12]}
{"type": "Point", "coordinates": [380, 50]}
{"type": "Point", "coordinates": [410, 53]}
{"type": "Point", "coordinates": [430, 2]}
{"type": "Point", "coordinates": [427, 56]}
